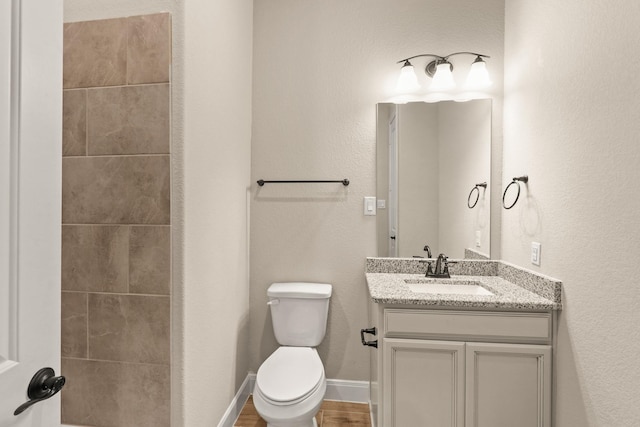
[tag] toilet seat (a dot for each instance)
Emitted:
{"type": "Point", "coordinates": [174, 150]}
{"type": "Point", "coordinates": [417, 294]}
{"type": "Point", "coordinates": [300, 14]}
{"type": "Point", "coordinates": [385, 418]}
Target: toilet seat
{"type": "Point", "coordinates": [290, 375]}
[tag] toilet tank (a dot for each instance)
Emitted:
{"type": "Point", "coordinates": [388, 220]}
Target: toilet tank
{"type": "Point", "coordinates": [299, 312]}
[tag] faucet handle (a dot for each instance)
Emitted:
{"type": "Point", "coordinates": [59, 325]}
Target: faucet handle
{"type": "Point", "coordinates": [445, 270]}
{"type": "Point", "coordinates": [429, 270]}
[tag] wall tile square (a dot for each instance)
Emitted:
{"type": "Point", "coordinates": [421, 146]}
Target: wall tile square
{"type": "Point", "coordinates": [150, 260]}
{"type": "Point", "coordinates": [95, 53]}
{"type": "Point", "coordinates": [95, 258]}
{"type": "Point", "coordinates": [129, 328]}
{"type": "Point", "coordinates": [149, 48]}
{"type": "Point", "coordinates": [116, 190]}
{"type": "Point", "coordinates": [74, 324]}
{"type": "Point", "coordinates": [110, 394]}
{"type": "Point", "coordinates": [129, 120]}
{"type": "Point", "coordinates": [74, 123]}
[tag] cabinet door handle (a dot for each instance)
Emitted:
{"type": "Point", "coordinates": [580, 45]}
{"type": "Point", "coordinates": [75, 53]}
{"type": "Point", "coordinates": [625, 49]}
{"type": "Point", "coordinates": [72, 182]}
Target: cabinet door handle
{"type": "Point", "coordinates": [372, 331]}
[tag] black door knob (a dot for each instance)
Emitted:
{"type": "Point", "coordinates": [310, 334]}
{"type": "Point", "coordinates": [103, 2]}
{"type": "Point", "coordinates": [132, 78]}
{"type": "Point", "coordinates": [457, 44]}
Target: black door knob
{"type": "Point", "coordinates": [42, 386]}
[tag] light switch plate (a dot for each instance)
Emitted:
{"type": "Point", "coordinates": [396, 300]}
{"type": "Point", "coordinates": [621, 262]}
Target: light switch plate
{"type": "Point", "coordinates": [535, 253]}
{"type": "Point", "coordinates": [382, 204]}
{"type": "Point", "coordinates": [369, 205]}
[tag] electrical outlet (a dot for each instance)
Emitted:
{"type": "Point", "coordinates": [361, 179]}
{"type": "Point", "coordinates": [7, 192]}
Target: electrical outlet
{"type": "Point", "coordinates": [535, 253]}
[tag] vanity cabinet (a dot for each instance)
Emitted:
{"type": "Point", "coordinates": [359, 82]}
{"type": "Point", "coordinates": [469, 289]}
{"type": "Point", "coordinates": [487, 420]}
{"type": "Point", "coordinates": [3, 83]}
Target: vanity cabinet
{"type": "Point", "coordinates": [463, 368]}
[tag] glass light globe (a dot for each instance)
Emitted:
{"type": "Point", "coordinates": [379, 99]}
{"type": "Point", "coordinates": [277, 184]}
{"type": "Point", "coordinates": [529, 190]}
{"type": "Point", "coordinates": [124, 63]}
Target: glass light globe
{"type": "Point", "coordinates": [478, 77]}
{"type": "Point", "coordinates": [407, 81]}
{"type": "Point", "coordinates": [443, 78]}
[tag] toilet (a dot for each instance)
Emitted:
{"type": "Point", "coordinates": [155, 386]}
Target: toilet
{"type": "Point", "coordinates": [290, 384]}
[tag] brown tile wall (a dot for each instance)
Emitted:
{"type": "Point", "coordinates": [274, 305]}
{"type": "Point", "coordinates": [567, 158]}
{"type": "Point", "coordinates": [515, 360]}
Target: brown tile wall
{"type": "Point", "coordinates": [116, 232]}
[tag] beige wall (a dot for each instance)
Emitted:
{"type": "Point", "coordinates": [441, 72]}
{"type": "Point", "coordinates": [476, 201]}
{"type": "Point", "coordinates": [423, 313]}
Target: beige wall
{"type": "Point", "coordinates": [382, 176]}
{"type": "Point", "coordinates": [211, 116]}
{"type": "Point", "coordinates": [418, 179]}
{"type": "Point", "coordinates": [319, 70]}
{"type": "Point", "coordinates": [572, 121]}
{"type": "Point", "coordinates": [464, 160]}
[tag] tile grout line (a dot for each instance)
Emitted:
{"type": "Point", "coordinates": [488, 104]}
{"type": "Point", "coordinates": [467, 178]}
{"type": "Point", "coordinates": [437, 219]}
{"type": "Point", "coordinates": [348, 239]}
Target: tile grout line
{"type": "Point", "coordinates": [86, 123]}
{"type": "Point", "coordinates": [114, 293]}
{"type": "Point", "coordinates": [116, 86]}
{"type": "Point", "coordinates": [113, 225]}
{"type": "Point", "coordinates": [87, 354]}
{"type": "Point", "coordinates": [119, 155]}
{"type": "Point", "coordinates": [116, 361]}
{"type": "Point", "coordinates": [128, 259]}
{"type": "Point", "coordinates": [127, 21]}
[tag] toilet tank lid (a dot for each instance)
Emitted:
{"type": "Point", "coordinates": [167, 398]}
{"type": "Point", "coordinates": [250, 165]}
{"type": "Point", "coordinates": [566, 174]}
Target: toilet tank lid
{"type": "Point", "coordinates": [299, 290]}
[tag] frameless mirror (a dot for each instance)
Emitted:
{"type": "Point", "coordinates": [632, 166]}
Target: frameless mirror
{"type": "Point", "coordinates": [431, 159]}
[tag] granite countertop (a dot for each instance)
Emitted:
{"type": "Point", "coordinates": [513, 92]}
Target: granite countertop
{"type": "Point", "coordinates": [513, 288]}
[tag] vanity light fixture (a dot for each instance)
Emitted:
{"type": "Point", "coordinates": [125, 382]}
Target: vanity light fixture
{"type": "Point", "coordinates": [408, 81]}
{"type": "Point", "coordinates": [440, 69]}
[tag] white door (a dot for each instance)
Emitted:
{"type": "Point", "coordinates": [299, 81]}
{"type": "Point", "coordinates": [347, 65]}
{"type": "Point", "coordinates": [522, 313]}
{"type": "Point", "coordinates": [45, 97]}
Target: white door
{"type": "Point", "coordinates": [30, 204]}
{"type": "Point", "coordinates": [393, 183]}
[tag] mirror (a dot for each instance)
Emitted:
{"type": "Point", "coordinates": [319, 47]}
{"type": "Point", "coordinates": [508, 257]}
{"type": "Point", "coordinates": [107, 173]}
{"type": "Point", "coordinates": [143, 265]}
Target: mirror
{"type": "Point", "coordinates": [429, 159]}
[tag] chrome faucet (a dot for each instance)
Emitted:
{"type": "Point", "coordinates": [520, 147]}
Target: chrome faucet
{"type": "Point", "coordinates": [442, 268]}
{"type": "Point", "coordinates": [427, 249]}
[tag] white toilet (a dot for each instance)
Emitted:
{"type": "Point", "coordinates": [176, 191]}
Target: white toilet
{"type": "Point", "coordinates": [290, 384]}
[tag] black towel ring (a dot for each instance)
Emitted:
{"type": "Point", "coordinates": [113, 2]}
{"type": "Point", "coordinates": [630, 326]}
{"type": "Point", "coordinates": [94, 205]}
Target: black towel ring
{"type": "Point", "coordinates": [477, 189]}
{"type": "Point", "coordinates": [517, 181]}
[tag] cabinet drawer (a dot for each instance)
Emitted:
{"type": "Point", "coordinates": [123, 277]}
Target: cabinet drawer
{"type": "Point", "coordinates": [468, 325]}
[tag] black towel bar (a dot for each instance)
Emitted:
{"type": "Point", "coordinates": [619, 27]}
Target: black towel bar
{"type": "Point", "coordinates": [262, 182]}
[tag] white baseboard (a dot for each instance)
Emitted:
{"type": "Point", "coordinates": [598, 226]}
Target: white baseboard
{"type": "Point", "coordinates": [341, 390]}
{"type": "Point", "coordinates": [238, 401]}
{"type": "Point", "coordinates": [347, 391]}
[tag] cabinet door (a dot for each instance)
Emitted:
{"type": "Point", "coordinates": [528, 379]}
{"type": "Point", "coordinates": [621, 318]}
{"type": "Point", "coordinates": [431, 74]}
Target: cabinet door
{"type": "Point", "coordinates": [423, 383]}
{"type": "Point", "coordinates": [508, 385]}
{"type": "Point", "coordinates": [374, 369]}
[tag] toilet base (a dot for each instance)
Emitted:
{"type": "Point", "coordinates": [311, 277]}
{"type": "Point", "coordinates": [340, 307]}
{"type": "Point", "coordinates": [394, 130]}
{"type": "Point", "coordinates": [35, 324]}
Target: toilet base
{"type": "Point", "coordinates": [314, 423]}
{"type": "Point", "coordinates": [302, 414]}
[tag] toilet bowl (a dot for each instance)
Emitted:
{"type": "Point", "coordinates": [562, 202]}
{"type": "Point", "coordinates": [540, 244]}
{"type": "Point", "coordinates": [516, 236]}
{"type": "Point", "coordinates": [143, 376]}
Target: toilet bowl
{"type": "Point", "coordinates": [291, 384]}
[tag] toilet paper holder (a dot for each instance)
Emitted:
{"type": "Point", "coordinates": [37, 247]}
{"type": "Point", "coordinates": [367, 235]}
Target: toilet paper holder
{"type": "Point", "coordinates": [372, 331]}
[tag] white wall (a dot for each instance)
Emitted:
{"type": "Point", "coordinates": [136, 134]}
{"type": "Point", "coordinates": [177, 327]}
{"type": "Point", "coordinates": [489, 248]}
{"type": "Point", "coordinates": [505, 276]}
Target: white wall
{"type": "Point", "coordinates": [319, 69]}
{"type": "Point", "coordinates": [211, 133]}
{"type": "Point", "coordinates": [217, 150]}
{"type": "Point", "coordinates": [572, 120]}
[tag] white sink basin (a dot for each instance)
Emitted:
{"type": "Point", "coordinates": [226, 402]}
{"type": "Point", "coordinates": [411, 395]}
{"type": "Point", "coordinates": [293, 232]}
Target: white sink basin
{"type": "Point", "coordinates": [447, 286]}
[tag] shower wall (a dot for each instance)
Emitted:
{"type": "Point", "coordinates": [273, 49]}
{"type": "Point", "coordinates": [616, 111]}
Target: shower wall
{"type": "Point", "coordinates": [116, 244]}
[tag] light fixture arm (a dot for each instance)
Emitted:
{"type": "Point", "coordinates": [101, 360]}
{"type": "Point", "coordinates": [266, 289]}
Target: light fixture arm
{"type": "Point", "coordinates": [442, 58]}
{"type": "Point", "coordinates": [422, 55]}
{"type": "Point", "coordinates": [467, 53]}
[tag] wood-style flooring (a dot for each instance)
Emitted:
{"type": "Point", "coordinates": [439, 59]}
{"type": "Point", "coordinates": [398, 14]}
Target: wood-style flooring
{"type": "Point", "coordinates": [331, 414]}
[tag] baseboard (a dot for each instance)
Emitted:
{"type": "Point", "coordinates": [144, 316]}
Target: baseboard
{"type": "Point", "coordinates": [342, 390]}
{"type": "Point", "coordinates": [347, 391]}
{"type": "Point", "coordinates": [238, 401]}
